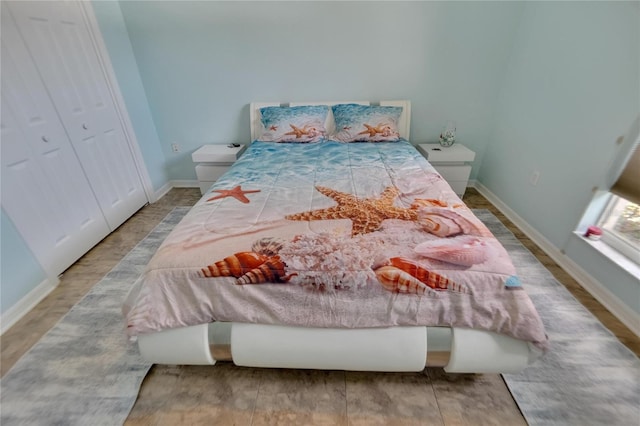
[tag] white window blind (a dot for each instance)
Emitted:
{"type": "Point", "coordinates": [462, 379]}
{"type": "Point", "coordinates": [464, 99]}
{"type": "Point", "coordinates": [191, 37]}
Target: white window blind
{"type": "Point", "coordinates": [627, 185]}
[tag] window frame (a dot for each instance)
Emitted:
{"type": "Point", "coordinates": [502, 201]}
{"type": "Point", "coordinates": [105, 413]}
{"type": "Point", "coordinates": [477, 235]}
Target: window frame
{"type": "Point", "coordinates": [613, 238]}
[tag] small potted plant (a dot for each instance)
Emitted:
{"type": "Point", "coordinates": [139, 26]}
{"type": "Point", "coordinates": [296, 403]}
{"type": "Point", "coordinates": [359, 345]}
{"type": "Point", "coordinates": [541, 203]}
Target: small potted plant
{"type": "Point", "coordinates": [448, 135]}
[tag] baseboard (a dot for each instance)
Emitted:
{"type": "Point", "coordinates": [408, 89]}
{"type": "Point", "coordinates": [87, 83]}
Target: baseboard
{"type": "Point", "coordinates": [600, 292]}
{"type": "Point", "coordinates": [624, 313]}
{"type": "Point", "coordinates": [472, 183]}
{"type": "Point", "coordinates": [26, 304]}
{"type": "Point", "coordinates": [162, 191]}
{"type": "Point", "coordinates": [184, 183]}
{"type": "Point", "coordinates": [524, 226]}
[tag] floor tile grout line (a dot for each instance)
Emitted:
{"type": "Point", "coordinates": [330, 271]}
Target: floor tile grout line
{"type": "Point", "coordinates": [513, 396]}
{"type": "Point", "coordinates": [346, 399]}
{"type": "Point", "coordinates": [435, 395]}
{"type": "Point", "coordinates": [255, 401]}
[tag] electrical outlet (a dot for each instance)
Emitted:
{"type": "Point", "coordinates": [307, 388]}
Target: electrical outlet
{"type": "Point", "coordinates": [175, 147]}
{"type": "Point", "coordinates": [534, 177]}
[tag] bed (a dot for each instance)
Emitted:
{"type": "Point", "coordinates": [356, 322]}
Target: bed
{"type": "Point", "coordinates": [333, 244]}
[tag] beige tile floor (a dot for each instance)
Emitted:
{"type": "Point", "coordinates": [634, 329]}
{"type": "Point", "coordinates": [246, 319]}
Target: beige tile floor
{"type": "Point", "coordinates": [226, 394]}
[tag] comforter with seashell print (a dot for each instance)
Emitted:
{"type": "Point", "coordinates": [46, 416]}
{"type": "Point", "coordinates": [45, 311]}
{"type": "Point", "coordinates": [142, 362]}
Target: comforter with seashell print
{"type": "Point", "coordinates": [333, 235]}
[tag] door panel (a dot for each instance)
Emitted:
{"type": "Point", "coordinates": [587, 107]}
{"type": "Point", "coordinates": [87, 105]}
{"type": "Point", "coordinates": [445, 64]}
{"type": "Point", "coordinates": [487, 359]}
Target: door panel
{"type": "Point", "coordinates": [48, 198]}
{"type": "Point", "coordinates": [61, 47]}
{"type": "Point", "coordinates": [44, 189]}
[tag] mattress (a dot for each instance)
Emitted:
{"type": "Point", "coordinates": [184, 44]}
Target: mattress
{"type": "Point", "coordinates": [332, 235]}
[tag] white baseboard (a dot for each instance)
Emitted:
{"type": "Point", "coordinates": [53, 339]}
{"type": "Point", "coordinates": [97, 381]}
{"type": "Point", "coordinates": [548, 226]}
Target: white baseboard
{"type": "Point", "coordinates": [162, 191]}
{"type": "Point", "coordinates": [530, 231]}
{"type": "Point", "coordinates": [620, 310]}
{"type": "Point", "coordinates": [472, 183]}
{"type": "Point", "coordinates": [28, 302]}
{"type": "Point", "coordinates": [174, 184]}
{"type": "Point", "coordinates": [600, 292]}
{"type": "Point", "coordinates": [184, 183]}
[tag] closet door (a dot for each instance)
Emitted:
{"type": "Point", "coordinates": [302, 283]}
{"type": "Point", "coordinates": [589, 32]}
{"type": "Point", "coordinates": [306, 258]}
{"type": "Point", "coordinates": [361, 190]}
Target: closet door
{"type": "Point", "coordinates": [61, 47]}
{"type": "Point", "coordinates": [44, 189]}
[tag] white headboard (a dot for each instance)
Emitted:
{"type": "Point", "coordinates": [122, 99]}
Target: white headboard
{"type": "Point", "coordinates": [404, 123]}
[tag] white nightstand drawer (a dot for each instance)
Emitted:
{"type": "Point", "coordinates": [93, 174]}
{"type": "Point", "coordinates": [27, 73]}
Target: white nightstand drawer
{"type": "Point", "coordinates": [454, 173]}
{"type": "Point", "coordinates": [211, 172]}
{"type": "Point", "coordinates": [214, 161]}
{"type": "Point", "coordinates": [453, 163]}
{"type": "Point", "coordinates": [204, 186]}
{"type": "Point", "coordinates": [217, 154]}
{"type": "Point", "coordinates": [456, 153]}
{"type": "Point", "coordinates": [458, 187]}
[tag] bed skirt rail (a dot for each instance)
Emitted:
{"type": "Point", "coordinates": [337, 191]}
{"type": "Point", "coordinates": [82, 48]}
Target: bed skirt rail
{"type": "Point", "coordinates": [378, 349]}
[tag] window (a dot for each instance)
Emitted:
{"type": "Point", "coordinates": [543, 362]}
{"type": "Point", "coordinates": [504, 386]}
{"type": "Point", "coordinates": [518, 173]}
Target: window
{"type": "Point", "coordinates": [621, 227]}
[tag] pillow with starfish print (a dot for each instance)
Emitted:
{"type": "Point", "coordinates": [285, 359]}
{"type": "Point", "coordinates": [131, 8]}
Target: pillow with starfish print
{"type": "Point", "coordinates": [302, 124]}
{"type": "Point", "coordinates": [363, 123]}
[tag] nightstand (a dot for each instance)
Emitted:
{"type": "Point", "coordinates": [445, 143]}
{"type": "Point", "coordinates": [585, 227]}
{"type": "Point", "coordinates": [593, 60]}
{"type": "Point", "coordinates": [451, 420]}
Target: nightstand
{"type": "Point", "coordinates": [212, 161]}
{"type": "Point", "coordinates": [452, 162]}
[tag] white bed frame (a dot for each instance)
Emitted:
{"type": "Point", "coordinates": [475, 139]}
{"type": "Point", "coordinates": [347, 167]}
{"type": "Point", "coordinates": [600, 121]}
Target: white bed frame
{"type": "Point", "coordinates": [458, 350]}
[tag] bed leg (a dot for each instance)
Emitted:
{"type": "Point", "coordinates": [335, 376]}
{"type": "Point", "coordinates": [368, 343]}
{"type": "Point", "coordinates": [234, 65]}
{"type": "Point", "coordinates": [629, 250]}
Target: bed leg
{"type": "Point", "coordinates": [186, 345]}
{"type": "Point", "coordinates": [475, 351]}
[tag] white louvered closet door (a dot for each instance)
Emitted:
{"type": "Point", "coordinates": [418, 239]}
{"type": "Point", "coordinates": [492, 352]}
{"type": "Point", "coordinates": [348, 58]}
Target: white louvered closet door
{"type": "Point", "coordinates": [44, 189]}
{"type": "Point", "coordinates": [61, 47]}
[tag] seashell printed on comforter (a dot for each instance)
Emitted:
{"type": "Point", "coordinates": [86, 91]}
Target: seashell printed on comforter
{"type": "Point", "coordinates": [332, 235]}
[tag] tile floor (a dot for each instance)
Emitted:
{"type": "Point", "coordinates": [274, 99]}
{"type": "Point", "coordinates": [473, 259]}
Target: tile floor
{"type": "Point", "coordinates": [226, 394]}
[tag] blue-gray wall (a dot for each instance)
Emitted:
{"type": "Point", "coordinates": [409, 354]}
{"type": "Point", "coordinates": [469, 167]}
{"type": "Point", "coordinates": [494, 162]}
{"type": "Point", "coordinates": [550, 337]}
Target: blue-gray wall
{"type": "Point", "coordinates": [203, 62]}
{"type": "Point", "coordinates": [20, 272]}
{"type": "Point", "coordinates": [116, 38]}
{"type": "Point", "coordinates": [572, 87]}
